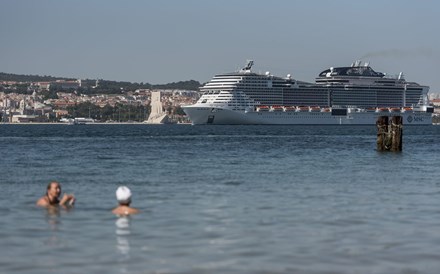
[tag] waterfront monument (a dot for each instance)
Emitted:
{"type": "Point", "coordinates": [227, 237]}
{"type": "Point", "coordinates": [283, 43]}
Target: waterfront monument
{"type": "Point", "coordinates": [157, 114]}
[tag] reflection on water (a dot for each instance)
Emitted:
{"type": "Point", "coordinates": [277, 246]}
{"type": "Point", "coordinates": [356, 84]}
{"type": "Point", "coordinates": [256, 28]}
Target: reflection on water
{"type": "Point", "coordinates": [122, 234]}
{"type": "Point", "coordinates": [122, 242]}
{"type": "Point", "coordinates": [53, 217]}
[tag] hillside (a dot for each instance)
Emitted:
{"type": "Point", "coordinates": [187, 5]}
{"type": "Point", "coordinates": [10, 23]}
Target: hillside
{"type": "Point", "coordinates": [105, 86]}
{"type": "Point", "coordinates": [29, 78]}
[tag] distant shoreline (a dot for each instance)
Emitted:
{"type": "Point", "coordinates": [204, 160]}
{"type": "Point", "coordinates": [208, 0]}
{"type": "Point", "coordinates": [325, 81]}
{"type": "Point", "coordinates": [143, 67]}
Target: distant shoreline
{"type": "Point", "coordinates": [121, 123]}
{"type": "Point", "coordinates": [98, 123]}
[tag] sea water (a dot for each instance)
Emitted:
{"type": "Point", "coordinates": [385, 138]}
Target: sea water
{"type": "Point", "coordinates": [220, 199]}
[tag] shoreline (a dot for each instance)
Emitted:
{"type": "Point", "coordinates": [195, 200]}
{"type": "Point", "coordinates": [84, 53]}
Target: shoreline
{"type": "Point", "coordinates": [109, 123]}
{"type": "Point", "coordinates": [97, 123]}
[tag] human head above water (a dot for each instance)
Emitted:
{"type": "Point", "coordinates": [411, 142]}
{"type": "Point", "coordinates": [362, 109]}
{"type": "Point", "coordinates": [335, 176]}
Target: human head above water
{"type": "Point", "coordinates": [53, 189]}
{"type": "Point", "coordinates": [123, 195]}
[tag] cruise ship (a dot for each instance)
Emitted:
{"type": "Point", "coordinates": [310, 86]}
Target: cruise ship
{"type": "Point", "coordinates": [353, 95]}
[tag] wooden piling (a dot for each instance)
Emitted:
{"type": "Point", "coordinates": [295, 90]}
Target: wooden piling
{"type": "Point", "coordinates": [396, 133]}
{"type": "Point", "coordinates": [382, 130]}
{"type": "Point", "coordinates": [389, 133]}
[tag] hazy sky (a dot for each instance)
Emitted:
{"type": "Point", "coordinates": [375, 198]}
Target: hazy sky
{"type": "Point", "coordinates": [166, 41]}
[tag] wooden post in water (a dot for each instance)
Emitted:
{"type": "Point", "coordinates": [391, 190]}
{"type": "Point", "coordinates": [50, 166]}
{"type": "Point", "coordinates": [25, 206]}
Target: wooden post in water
{"type": "Point", "coordinates": [389, 133]}
{"type": "Point", "coordinates": [382, 130]}
{"type": "Point", "coordinates": [396, 133]}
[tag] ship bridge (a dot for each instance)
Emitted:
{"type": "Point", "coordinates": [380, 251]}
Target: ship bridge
{"type": "Point", "coordinates": [364, 71]}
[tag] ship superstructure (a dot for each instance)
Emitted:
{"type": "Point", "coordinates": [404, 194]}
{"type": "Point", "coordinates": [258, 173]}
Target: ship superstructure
{"type": "Point", "coordinates": [344, 95]}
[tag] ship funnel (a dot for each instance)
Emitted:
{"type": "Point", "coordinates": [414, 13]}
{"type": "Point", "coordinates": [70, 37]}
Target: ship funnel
{"type": "Point", "coordinates": [249, 64]}
{"type": "Point", "coordinates": [401, 77]}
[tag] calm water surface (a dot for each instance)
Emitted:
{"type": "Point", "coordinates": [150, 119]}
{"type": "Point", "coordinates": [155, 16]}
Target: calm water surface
{"type": "Point", "coordinates": [220, 199]}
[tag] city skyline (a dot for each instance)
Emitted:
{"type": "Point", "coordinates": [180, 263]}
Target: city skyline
{"type": "Point", "coordinates": [167, 41]}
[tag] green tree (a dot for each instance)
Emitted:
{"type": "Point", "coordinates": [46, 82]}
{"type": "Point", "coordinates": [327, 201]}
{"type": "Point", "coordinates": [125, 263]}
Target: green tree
{"type": "Point", "coordinates": [49, 94]}
{"type": "Point", "coordinates": [86, 109]}
{"type": "Point", "coordinates": [23, 89]}
{"type": "Point", "coordinates": [107, 112]}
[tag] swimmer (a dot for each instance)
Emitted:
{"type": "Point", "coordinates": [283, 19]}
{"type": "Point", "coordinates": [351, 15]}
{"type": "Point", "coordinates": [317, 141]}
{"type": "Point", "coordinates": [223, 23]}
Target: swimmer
{"type": "Point", "coordinates": [123, 195]}
{"type": "Point", "coordinates": [53, 193]}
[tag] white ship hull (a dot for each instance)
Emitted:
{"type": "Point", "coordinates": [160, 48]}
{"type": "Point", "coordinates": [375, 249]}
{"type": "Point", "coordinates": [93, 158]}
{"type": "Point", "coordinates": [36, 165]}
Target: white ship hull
{"type": "Point", "coordinates": [222, 116]}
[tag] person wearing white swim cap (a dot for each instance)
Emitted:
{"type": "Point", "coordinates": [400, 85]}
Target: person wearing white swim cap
{"type": "Point", "coordinates": [123, 195]}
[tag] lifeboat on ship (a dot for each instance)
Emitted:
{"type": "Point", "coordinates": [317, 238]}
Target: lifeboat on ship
{"type": "Point", "coordinates": [302, 109]}
{"type": "Point", "coordinates": [394, 109]}
{"type": "Point", "coordinates": [382, 110]}
{"type": "Point", "coordinates": [262, 108]}
{"type": "Point", "coordinates": [315, 109]}
{"type": "Point", "coordinates": [326, 110]}
{"type": "Point", "coordinates": [370, 109]}
{"type": "Point", "coordinates": [277, 108]}
{"type": "Point", "coordinates": [405, 109]}
{"type": "Point", "coordinates": [289, 108]}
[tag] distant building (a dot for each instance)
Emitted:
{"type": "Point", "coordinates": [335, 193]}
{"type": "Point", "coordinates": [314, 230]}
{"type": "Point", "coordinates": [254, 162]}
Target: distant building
{"type": "Point", "coordinates": [28, 119]}
{"type": "Point", "coordinates": [43, 85]}
{"type": "Point", "coordinates": [8, 83]}
{"type": "Point", "coordinates": [63, 104]}
{"type": "Point", "coordinates": [5, 103]}
{"type": "Point", "coordinates": [61, 113]}
{"type": "Point", "coordinates": [96, 84]}
{"type": "Point", "coordinates": [435, 102]}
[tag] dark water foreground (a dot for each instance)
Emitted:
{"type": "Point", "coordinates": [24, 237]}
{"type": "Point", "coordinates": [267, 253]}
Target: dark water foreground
{"type": "Point", "coordinates": [221, 199]}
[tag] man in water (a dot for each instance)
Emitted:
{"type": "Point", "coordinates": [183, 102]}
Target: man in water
{"type": "Point", "coordinates": [52, 196]}
{"type": "Point", "coordinates": [123, 195]}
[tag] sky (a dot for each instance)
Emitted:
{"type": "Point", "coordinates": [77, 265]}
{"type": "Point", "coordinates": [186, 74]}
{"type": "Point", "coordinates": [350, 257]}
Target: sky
{"type": "Point", "coordinates": [167, 41]}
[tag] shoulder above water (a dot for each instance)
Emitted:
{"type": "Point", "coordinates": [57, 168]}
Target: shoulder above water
{"type": "Point", "coordinates": [124, 210]}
